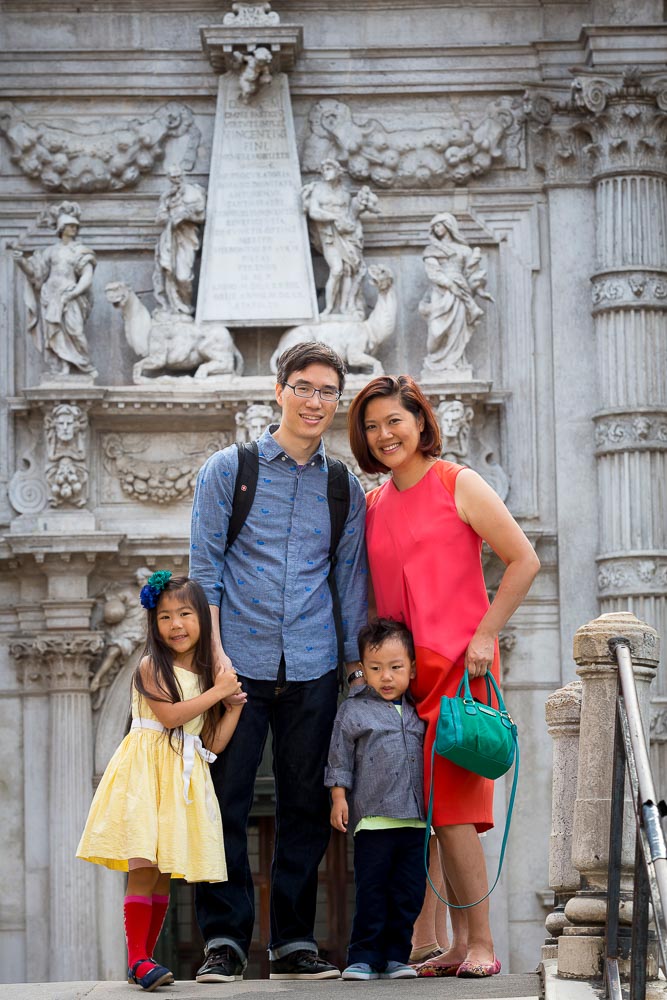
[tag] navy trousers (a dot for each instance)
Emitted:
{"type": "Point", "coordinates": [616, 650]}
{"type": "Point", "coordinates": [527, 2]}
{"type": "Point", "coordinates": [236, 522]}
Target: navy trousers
{"type": "Point", "coordinates": [390, 882]}
{"type": "Point", "coordinates": [300, 718]}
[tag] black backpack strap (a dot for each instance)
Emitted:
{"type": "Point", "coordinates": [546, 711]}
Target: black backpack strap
{"type": "Point", "coordinates": [338, 497]}
{"type": "Point", "coordinates": [244, 489]}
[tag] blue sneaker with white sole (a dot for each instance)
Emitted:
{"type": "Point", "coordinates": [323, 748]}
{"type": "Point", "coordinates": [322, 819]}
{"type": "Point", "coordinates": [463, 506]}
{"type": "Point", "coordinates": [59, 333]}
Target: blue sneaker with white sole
{"type": "Point", "coordinates": [360, 970]}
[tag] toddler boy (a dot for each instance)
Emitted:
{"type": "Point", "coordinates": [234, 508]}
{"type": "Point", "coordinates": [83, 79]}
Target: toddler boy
{"type": "Point", "coordinates": [376, 776]}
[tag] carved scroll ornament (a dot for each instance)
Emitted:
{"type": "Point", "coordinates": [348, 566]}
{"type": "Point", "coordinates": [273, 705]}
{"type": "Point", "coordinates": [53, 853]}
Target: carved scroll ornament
{"type": "Point", "coordinates": [95, 155]}
{"type": "Point", "coordinates": [453, 149]}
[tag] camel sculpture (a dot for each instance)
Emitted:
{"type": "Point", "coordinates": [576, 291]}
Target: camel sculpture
{"type": "Point", "coordinates": [355, 340]}
{"type": "Point", "coordinates": [166, 342]}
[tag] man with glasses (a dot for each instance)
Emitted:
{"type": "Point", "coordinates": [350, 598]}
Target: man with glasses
{"type": "Point", "coordinates": [273, 623]}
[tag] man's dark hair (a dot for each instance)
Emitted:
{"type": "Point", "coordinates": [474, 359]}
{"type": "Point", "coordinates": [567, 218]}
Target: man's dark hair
{"type": "Point", "coordinates": [373, 635]}
{"type": "Point", "coordinates": [296, 358]}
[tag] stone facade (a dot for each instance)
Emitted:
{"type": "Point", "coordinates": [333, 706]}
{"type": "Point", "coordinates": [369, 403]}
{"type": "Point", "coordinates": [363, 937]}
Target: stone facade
{"type": "Point", "coordinates": [557, 175]}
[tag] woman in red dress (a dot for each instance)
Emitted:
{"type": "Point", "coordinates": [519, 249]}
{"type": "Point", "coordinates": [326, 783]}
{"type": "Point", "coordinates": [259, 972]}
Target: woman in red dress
{"type": "Point", "coordinates": [424, 533]}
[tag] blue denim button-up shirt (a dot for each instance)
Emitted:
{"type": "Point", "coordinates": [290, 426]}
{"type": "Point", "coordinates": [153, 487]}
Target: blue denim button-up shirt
{"type": "Point", "coordinates": [377, 754]}
{"type": "Point", "coordinates": [271, 585]}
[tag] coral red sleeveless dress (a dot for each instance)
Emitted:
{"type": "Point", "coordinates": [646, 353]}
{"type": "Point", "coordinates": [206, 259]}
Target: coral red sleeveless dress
{"type": "Point", "coordinates": [426, 568]}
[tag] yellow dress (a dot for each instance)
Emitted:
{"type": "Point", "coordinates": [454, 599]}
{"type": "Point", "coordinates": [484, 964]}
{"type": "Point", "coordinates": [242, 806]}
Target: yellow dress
{"type": "Point", "coordinates": [140, 810]}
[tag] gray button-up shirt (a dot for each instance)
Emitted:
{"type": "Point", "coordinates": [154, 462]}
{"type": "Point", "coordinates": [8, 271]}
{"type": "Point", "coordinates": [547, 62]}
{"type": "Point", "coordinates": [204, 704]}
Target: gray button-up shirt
{"type": "Point", "coordinates": [377, 754]}
{"type": "Point", "coordinates": [271, 585]}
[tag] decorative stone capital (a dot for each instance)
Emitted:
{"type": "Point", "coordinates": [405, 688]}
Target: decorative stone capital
{"type": "Point", "coordinates": [625, 116]}
{"type": "Point", "coordinates": [614, 123]}
{"type": "Point", "coordinates": [591, 649]}
{"type": "Point", "coordinates": [56, 663]}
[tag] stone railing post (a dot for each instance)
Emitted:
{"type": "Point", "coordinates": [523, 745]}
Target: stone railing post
{"type": "Point", "coordinates": [563, 711]}
{"type": "Point", "coordinates": [580, 946]}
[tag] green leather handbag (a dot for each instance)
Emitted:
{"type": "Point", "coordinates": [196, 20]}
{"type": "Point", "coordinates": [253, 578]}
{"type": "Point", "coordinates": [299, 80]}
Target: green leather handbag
{"type": "Point", "coordinates": [479, 738]}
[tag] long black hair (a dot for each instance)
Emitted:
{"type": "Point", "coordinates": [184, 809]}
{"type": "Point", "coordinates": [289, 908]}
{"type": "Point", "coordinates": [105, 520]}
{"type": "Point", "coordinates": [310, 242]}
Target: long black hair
{"type": "Point", "coordinates": [160, 659]}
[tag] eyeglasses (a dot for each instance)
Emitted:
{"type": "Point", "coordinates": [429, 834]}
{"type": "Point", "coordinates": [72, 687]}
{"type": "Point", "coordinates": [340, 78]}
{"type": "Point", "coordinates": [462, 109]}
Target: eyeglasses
{"type": "Point", "coordinates": [308, 391]}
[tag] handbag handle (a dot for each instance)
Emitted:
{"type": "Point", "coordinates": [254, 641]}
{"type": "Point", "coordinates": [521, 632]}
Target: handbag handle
{"type": "Point", "coordinates": [464, 688]}
{"type": "Point", "coordinates": [508, 818]}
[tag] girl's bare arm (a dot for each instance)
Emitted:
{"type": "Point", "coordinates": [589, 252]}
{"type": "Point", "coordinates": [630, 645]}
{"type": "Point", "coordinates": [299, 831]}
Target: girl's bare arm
{"type": "Point", "coordinates": [174, 714]}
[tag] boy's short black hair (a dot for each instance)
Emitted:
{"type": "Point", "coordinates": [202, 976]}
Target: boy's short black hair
{"type": "Point", "coordinates": [373, 635]}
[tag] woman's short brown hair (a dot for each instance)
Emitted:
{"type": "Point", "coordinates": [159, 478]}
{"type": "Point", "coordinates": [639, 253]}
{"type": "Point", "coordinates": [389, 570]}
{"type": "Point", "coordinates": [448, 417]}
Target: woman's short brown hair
{"type": "Point", "coordinates": [411, 398]}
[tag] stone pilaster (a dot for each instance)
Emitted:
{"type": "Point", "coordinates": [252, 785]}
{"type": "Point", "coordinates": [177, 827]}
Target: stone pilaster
{"type": "Point", "coordinates": [563, 712]}
{"type": "Point", "coordinates": [580, 945]}
{"type": "Point", "coordinates": [57, 664]}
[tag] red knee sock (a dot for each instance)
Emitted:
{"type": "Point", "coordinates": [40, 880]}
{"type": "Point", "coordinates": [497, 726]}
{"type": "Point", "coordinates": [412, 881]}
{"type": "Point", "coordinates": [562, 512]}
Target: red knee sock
{"type": "Point", "coordinates": [138, 912]}
{"type": "Point", "coordinates": [159, 912]}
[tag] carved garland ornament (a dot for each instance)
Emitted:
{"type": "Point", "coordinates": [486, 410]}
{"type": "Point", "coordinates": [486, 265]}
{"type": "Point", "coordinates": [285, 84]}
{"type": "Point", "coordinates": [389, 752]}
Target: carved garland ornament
{"type": "Point", "coordinates": [452, 149]}
{"type": "Point", "coordinates": [150, 481]}
{"type": "Point", "coordinates": [95, 155]}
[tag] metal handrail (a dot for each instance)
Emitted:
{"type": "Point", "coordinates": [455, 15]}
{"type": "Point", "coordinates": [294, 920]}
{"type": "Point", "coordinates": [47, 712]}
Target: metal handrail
{"type": "Point", "coordinates": [650, 874]}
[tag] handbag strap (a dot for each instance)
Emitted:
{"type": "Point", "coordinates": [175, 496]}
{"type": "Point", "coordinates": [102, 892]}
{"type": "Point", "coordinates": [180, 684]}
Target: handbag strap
{"type": "Point", "coordinates": [508, 820]}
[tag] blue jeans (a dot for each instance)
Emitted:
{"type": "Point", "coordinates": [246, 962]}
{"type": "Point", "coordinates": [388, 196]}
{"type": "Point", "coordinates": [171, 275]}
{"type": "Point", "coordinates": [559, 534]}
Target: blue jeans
{"type": "Point", "coordinates": [390, 881]}
{"type": "Point", "coordinates": [300, 718]}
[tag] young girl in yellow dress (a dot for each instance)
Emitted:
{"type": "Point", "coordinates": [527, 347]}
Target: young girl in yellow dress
{"type": "Point", "coordinates": [155, 814]}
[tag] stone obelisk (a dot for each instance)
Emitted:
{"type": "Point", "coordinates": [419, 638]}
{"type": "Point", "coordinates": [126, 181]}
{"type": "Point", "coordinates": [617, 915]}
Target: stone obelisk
{"type": "Point", "coordinates": [256, 264]}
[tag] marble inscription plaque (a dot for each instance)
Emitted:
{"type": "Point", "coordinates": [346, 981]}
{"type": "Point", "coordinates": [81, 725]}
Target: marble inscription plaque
{"type": "Point", "coordinates": [256, 265]}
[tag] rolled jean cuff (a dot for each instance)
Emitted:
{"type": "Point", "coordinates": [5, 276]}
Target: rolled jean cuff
{"type": "Point", "coordinates": [287, 949]}
{"type": "Point", "coordinates": [220, 942]}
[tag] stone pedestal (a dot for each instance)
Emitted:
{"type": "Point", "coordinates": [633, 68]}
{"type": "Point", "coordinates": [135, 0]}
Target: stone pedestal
{"type": "Point", "coordinates": [580, 946]}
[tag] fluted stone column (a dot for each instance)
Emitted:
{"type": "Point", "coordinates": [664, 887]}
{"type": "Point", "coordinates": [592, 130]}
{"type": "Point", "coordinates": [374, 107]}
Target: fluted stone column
{"type": "Point", "coordinates": [58, 664]}
{"type": "Point", "coordinates": [580, 946]}
{"type": "Point", "coordinates": [625, 119]}
{"type": "Point", "coordinates": [563, 712]}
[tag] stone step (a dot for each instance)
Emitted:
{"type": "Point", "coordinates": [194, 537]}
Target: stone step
{"type": "Point", "coordinates": [513, 987]}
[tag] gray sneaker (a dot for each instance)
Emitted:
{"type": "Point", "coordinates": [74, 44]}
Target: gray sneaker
{"type": "Point", "coordinates": [222, 965]}
{"type": "Point", "coordinates": [303, 965]}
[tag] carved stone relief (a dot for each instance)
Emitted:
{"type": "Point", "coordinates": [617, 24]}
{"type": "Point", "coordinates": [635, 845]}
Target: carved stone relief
{"type": "Point", "coordinates": [133, 464]}
{"type": "Point", "coordinates": [123, 621]}
{"type": "Point", "coordinates": [449, 149]}
{"type": "Point", "coordinates": [632, 575]}
{"type": "Point", "coordinates": [253, 71]}
{"type": "Point", "coordinates": [336, 231]}
{"type": "Point", "coordinates": [91, 154]}
{"type": "Point", "coordinates": [640, 289]}
{"type": "Point", "coordinates": [66, 431]}
{"type": "Point", "coordinates": [357, 341]}
{"type": "Point", "coordinates": [455, 419]}
{"type": "Point", "coordinates": [167, 345]}
{"type": "Point", "coordinates": [28, 493]}
{"type": "Point", "coordinates": [456, 278]}
{"type": "Point", "coordinates": [468, 439]}
{"type": "Point", "coordinates": [251, 15]}
{"type": "Point", "coordinates": [253, 421]}
{"type": "Point", "coordinates": [619, 432]}
{"type": "Point", "coordinates": [58, 291]}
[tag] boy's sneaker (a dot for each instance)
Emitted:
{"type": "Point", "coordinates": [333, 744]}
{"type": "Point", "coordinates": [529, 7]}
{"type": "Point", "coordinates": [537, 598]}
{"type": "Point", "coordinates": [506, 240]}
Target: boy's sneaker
{"type": "Point", "coordinates": [222, 965]}
{"type": "Point", "coordinates": [397, 970]}
{"type": "Point", "coordinates": [303, 965]}
{"type": "Point", "coordinates": [360, 970]}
